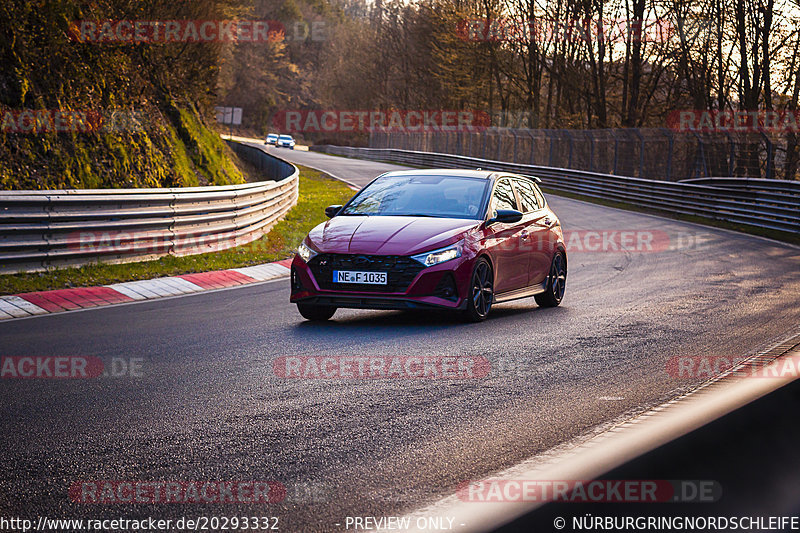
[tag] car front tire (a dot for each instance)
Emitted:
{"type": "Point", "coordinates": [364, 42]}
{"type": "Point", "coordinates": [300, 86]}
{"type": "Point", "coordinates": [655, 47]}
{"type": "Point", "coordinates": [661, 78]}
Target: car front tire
{"type": "Point", "coordinates": [481, 292]}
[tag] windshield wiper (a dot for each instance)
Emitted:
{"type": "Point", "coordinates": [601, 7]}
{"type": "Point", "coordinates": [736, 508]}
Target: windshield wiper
{"type": "Point", "coordinates": [426, 215]}
{"type": "Point", "coordinates": [417, 215]}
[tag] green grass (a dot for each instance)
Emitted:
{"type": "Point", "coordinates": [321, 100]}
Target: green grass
{"type": "Point", "coordinates": [210, 153]}
{"type": "Point", "coordinates": [317, 191]}
{"type": "Point", "coordinates": [173, 148]}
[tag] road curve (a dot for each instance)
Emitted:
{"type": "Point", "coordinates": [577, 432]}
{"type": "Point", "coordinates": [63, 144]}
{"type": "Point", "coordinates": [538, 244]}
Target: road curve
{"type": "Point", "coordinates": [206, 404]}
{"type": "Point", "coordinates": [354, 171]}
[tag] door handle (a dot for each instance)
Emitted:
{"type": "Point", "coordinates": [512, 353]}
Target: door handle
{"type": "Point", "coordinates": [524, 234]}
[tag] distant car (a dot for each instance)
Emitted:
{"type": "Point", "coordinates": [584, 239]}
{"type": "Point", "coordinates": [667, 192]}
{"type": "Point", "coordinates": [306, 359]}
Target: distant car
{"type": "Point", "coordinates": [449, 239]}
{"type": "Point", "coordinates": [285, 141]}
{"type": "Point", "coordinates": [272, 139]}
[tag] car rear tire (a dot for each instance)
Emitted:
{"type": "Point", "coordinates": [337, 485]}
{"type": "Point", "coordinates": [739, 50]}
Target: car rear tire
{"type": "Point", "coordinates": [316, 313]}
{"type": "Point", "coordinates": [556, 282]}
{"type": "Point", "coordinates": [481, 292]}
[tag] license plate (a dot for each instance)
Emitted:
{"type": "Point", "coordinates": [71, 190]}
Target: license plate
{"type": "Point", "coordinates": [365, 278]}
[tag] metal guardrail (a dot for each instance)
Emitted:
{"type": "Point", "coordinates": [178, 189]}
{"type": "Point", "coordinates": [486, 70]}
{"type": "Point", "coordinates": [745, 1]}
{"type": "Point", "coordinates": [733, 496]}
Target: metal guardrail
{"type": "Point", "coordinates": [769, 204]}
{"type": "Point", "coordinates": [651, 153]}
{"type": "Point", "coordinates": [45, 229]}
{"type": "Point", "coordinates": [755, 184]}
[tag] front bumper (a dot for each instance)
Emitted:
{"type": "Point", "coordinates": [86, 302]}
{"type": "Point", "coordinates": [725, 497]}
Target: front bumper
{"type": "Point", "coordinates": [424, 291]}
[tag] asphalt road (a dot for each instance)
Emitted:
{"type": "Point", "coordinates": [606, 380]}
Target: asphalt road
{"type": "Point", "coordinates": [207, 405]}
{"type": "Point", "coordinates": [355, 171]}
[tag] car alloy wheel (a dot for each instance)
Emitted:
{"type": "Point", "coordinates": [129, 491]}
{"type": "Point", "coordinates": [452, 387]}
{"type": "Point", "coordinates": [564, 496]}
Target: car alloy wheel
{"type": "Point", "coordinates": [481, 292]}
{"type": "Point", "coordinates": [556, 282]}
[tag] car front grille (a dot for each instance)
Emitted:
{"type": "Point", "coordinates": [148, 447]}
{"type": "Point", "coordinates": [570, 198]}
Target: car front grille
{"type": "Point", "coordinates": [400, 270]}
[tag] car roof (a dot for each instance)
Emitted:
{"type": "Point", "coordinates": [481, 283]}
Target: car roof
{"type": "Point", "coordinates": [461, 173]}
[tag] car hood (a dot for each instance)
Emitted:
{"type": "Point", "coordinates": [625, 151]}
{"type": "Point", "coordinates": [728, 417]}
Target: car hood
{"type": "Point", "coordinates": [387, 235]}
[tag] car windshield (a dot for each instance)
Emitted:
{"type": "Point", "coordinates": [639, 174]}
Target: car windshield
{"type": "Point", "coordinates": [428, 196]}
{"type": "Point", "coordinates": [285, 138]}
{"type": "Point", "coordinates": [271, 136]}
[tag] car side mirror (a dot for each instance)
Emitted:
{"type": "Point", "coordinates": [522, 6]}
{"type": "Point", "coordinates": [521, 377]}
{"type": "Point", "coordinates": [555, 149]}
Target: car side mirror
{"type": "Point", "coordinates": [332, 210]}
{"type": "Point", "coordinates": [506, 216]}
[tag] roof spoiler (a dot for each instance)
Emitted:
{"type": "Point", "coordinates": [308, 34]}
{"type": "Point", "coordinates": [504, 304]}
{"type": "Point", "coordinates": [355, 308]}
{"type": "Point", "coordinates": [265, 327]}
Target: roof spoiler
{"type": "Point", "coordinates": [534, 178]}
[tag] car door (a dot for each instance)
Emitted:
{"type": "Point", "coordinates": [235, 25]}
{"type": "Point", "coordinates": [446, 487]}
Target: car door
{"type": "Point", "coordinates": [535, 238]}
{"type": "Point", "coordinates": [503, 241]}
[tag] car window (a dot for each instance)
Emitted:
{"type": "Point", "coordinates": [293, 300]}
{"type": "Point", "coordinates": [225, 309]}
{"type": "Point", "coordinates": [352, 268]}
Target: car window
{"type": "Point", "coordinates": [503, 197]}
{"type": "Point", "coordinates": [539, 196]}
{"type": "Point", "coordinates": [527, 196]}
{"type": "Point", "coordinates": [433, 196]}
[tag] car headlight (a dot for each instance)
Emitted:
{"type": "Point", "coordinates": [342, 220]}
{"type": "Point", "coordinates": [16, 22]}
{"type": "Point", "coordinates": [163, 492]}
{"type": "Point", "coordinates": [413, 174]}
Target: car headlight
{"type": "Point", "coordinates": [305, 252]}
{"type": "Point", "coordinates": [434, 257]}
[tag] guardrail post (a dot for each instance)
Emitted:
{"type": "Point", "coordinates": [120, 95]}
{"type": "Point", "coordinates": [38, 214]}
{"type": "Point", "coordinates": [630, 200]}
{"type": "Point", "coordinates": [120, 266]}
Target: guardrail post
{"type": "Point", "coordinates": [550, 138]}
{"type": "Point", "coordinates": [569, 159]}
{"type": "Point", "coordinates": [472, 136]}
{"type": "Point", "coordinates": [671, 141]}
{"type": "Point", "coordinates": [499, 144]}
{"type": "Point", "coordinates": [514, 133]}
{"type": "Point", "coordinates": [533, 147]}
{"type": "Point", "coordinates": [702, 155]}
{"type": "Point", "coordinates": [732, 157]}
{"type": "Point", "coordinates": [769, 170]}
{"type": "Point", "coordinates": [641, 151]}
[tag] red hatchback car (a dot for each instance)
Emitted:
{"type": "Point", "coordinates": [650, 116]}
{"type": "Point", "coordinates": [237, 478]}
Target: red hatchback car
{"type": "Point", "coordinates": [447, 239]}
